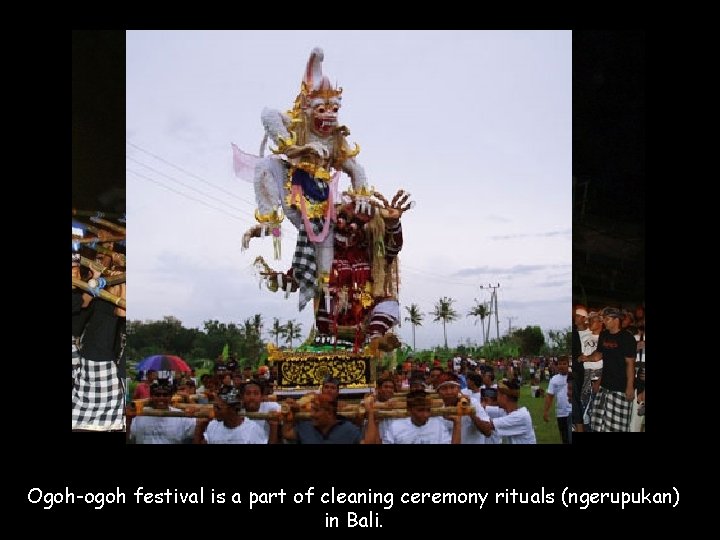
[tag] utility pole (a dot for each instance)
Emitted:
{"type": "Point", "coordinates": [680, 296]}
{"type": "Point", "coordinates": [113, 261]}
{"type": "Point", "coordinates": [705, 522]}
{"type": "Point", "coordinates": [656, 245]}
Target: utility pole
{"type": "Point", "coordinates": [493, 297]}
{"type": "Point", "coordinates": [510, 319]}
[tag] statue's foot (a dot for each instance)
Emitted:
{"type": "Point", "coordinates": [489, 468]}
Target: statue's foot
{"type": "Point", "coordinates": [389, 342]}
{"type": "Point", "coordinates": [252, 232]}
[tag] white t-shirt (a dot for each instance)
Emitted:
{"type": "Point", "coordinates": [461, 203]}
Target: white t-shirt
{"type": "Point", "coordinates": [493, 411]}
{"type": "Point", "coordinates": [558, 388]}
{"type": "Point", "coordinates": [266, 406]}
{"type": "Point", "coordinates": [589, 344]}
{"type": "Point", "coordinates": [245, 433]}
{"type": "Point", "coordinates": [516, 426]}
{"type": "Point", "coordinates": [434, 431]}
{"type": "Point", "coordinates": [469, 433]}
{"type": "Point", "coordinates": [162, 429]}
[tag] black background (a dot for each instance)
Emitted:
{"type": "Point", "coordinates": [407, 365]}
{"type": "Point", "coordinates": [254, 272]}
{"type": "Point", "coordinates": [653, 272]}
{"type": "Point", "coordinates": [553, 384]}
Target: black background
{"type": "Point", "coordinates": [55, 458]}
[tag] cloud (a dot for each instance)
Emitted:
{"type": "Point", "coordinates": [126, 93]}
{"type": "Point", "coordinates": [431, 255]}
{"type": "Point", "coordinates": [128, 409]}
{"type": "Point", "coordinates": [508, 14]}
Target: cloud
{"type": "Point", "coordinates": [549, 234]}
{"type": "Point", "coordinates": [523, 304]}
{"type": "Point", "coordinates": [551, 283]}
{"type": "Point", "coordinates": [500, 219]}
{"type": "Point", "coordinates": [517, 269]}
{"type": "Point", "coordinates": [185, 128]}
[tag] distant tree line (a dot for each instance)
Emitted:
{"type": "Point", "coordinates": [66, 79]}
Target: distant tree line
{"type": "Point", "coordinates": [198, 346]}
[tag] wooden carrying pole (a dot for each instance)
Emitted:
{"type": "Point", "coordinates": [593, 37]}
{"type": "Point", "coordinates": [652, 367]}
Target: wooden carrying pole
{"type": "Point", "coordinates": [98, 240]}
{"type": "Point", "coordinates": [108, 224]}
{"type": "Point", "coordinates": [194, 411]}
{"type": "Point", "coordinates": [103, 294]}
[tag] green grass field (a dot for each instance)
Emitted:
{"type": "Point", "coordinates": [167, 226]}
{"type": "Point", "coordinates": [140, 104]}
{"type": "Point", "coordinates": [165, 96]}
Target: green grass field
{"type": "Point", "coordinates": [545, 432]}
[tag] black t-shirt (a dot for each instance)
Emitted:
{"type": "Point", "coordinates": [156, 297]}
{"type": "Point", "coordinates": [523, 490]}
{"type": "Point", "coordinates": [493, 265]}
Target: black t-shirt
{"type": "Point", "coordinates": [615, 348]}
{"type": "Point", "coordinates": [76, 301]}
{"type": "Point", "coordinates": [99, 341]}
{"type": "Point", "coordinates": [578, 368]}
{"type": "Point", "coordinates": [79, 315]}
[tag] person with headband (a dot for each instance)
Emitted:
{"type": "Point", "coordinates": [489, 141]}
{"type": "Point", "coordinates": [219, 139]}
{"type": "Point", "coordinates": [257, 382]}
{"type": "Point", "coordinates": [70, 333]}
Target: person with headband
{"type": "Point", "coordinates": [419, 428]}
{"type": "Point", "coordinates": [160, 429]}
{"type": "Point", "coordinates": [617, 349]}
{"type": "Point", "coordinates": [230, 427]}
{"type": "Point", "coordinates": [449, 390]}
{"type": "Point", "coordinates": [516, 426]}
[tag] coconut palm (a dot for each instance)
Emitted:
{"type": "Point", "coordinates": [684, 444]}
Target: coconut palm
{"type": "Point", "coordinates": [480, 310]}
{"type": "Point", "coordinates": [258, 323]}
{"type": "Point", "coordinates": [277, 330]}
{"type": "Point", "coordinates": [415, 318]}
{"type": "Point", "coordinates": [444, 312]}
{"type": "Point", "coordinates": [292, 331]}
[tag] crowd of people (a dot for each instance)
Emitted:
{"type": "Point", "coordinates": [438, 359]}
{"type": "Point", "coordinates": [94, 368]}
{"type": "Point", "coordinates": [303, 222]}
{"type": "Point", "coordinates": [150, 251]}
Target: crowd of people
{"type": "Point", "coordinates": [608, 366]}
{"type": "Point", "coordinates": [422, 406]}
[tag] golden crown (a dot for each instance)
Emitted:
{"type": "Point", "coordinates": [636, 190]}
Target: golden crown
{"type": "Point", "coordinates": [324, 92]}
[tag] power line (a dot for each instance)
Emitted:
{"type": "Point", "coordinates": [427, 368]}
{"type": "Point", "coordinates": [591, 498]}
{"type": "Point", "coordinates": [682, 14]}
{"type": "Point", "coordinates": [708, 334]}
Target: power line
{"type": "Point", "coordinates": [185, 185]}
{"type": "Point", "coordinates": [189, 173]}
{"type": "Point", "coordinates": [187, 196]}
{"type": "Point", "coordinates": [200, 201]}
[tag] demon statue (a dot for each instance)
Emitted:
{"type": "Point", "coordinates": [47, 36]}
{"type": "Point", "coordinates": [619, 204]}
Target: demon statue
{"type": "Point", "coordinates": [345, 259]}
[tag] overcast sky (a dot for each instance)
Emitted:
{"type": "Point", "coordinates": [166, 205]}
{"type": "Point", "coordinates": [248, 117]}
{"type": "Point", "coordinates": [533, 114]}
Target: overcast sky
{"type": "Point", "coordinates": [475, 124]}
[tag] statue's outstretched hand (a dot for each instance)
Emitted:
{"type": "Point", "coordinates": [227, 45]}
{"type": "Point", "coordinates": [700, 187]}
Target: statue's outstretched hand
{"type": "Point", "coordinates": [394, 209]}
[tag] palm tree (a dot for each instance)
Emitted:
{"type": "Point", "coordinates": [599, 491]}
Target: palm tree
{"type": "Point", "coordinates": [415, 318]}
{"type": "Point", "coordinates": [292, 331]}
{"type": "Point", "coordinates": [277, 330]}
{"type": "Point", "coordinates": [258, 323]}
{"type": "Point", "coordinates": [444, 312]}
{"type": "Point", "coordinates": [480, 310]}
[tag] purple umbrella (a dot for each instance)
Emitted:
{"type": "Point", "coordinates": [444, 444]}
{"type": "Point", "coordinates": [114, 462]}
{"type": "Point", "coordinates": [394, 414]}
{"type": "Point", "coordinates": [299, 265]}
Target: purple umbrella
{"type": "Point", "coordinates": [163, 362]}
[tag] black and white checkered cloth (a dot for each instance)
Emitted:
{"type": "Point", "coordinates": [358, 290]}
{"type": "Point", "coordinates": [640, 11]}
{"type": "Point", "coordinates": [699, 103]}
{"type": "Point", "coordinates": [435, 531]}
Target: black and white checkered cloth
{"type": "Point", "coordinates": [98, 397]}
{"type": "Point", "coordinates": [611, 411]}
{"type": "Point", "coordinates": [75, 358]}
{"type": "Point", "coordinates": [304, 264]}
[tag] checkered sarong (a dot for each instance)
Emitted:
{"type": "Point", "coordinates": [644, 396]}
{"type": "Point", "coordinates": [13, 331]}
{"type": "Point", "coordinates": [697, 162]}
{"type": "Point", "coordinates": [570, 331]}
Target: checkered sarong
{"type": "Point", "coordinates": [304, 264]}
{"type": "Point", "coordinates": [98, 397]}
{"type": "Point", "coordinates": [611, 411]}
{"type": "Point", "coordinates": [75, 358]}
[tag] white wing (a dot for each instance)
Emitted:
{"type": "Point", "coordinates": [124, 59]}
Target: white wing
{"type": "Point", "coordinates": [244, 163]}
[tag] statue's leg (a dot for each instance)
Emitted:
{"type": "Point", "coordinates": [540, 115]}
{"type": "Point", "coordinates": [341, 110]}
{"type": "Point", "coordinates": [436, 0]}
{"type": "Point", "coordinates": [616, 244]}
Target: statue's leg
{"type": "Point", "coordinates": [384, 315]}
{"type": "Point", "coordinates": [268, 177]}
{"type": "Point", "coordinates": [269, 174]}
{"type": "Point", "coordinates": [324, 258]}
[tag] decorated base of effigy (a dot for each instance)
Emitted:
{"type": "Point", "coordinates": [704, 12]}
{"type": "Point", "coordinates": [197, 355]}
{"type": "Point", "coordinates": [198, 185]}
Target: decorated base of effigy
{"type": "Point", "coordinates": [302, 371]}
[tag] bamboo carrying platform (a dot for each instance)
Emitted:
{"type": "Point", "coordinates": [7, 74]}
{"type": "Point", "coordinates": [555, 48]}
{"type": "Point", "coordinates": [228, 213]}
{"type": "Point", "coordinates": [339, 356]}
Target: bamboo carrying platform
{"type": "Point", "coordinates": [207, 411]}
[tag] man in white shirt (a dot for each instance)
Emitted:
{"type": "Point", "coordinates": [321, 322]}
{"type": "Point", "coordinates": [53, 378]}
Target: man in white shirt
{"type": "Point", "coordinates": [230, 427]}
{"type": "Point", "coordinates": [419, 428]}
{"type": "Point", "coordinates": [160, 429]}
{"type": "Point", "coordinates": [516, 427]}
{"type": "Point", "coordinates": [252, 393]}
{"type": "Point", "coordinates": [449, 390]}
{"type": "Point", "coordinates": [557, 388]}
